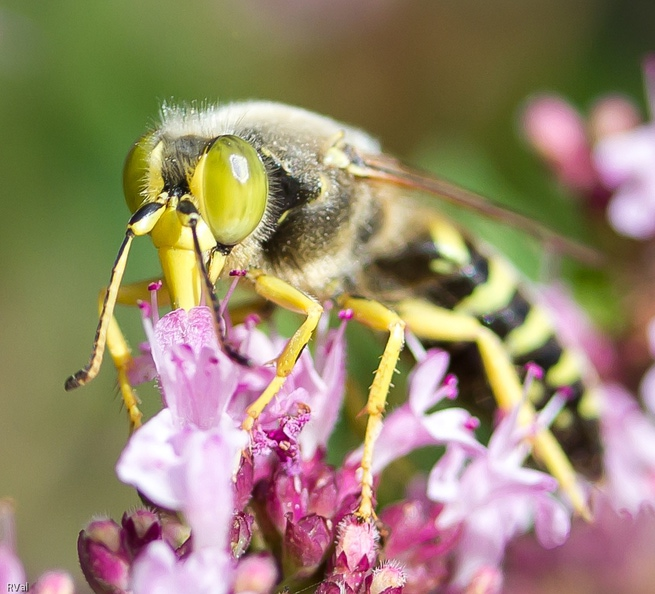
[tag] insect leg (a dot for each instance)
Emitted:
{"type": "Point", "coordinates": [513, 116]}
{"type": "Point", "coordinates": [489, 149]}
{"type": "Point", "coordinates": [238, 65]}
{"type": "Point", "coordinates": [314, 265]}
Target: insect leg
{"type": "Point", "coordinates": [118, 348]}
{"type": "Point", "coordinates": [432, 322]}
{"type": "Point", "coordinates": [283, 294]}
{"type": "Point", "coordinates": [378, 317]}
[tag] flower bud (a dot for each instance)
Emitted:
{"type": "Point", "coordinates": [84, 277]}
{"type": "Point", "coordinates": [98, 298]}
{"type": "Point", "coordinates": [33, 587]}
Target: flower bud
{"type": "Point", "coordinates": [356, 551]}
{"type": "Point", "coordinates": [140, 527]}
{"type": "Point", "coordinates": [104, 560]}
{"type": "Point", "coordinates": [306, 542]}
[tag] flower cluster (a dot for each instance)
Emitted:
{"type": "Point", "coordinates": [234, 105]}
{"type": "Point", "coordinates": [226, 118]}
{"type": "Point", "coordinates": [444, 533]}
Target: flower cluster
{"type": "Point", "coordinates": [609, 160]}
{"type": "Point", "coordinates": [229, 511]}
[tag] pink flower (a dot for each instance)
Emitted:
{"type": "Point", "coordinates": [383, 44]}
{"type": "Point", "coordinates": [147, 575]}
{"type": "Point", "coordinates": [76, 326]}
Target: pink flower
{"type": "Point", "coordinates": [626, 163]}
{"type": "Point", "coordinates": [629, 441]}
{"type": "Point", "coordinates": [558, 133]}
{"type": "Point", "coordinates": [564, 139]}
{"type": "Point", "coordinates": [184, 458]}
{"type": "Point", "coordinates": [167, 457]}
{"type": "Point", "coordinates": [416, 541]}
{"type": "Point", "coordinates": [493, 498]}
{"type": "Point", "coordinates": [325, 381]}
{"type": "Point", "coordinates": [410, 427]}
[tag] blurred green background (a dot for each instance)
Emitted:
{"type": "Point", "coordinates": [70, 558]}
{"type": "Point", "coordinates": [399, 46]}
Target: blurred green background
{"type": "Point", "coordinates": [439, 82]}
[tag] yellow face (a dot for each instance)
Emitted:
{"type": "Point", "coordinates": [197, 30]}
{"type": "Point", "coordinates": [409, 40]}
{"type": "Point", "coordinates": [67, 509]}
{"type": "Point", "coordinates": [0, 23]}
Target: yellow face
{"type": "Point", "coordinates": [222, 178]}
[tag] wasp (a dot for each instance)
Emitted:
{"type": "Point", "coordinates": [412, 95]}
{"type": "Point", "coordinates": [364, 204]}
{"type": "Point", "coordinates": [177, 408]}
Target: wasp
{"type": "Point", "coordinates": [314, 211]}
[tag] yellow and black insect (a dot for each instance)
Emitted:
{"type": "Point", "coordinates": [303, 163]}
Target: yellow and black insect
{"type": "Point", "coordinates": [314, 211]}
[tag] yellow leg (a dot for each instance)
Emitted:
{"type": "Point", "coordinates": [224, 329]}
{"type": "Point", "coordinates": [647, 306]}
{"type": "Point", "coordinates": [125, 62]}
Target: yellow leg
{"type": "Point", "coordinates": [118, 348]}
{"type": "Point", "coordinates": [434, 323]}
{"type": "Point", "coordinates": [283, 294]}
{"type": "Point", "coordinates": [376, 316]}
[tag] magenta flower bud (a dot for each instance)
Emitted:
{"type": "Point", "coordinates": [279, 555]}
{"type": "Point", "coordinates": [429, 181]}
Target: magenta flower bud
{"type": "Point", "coordinates": [140, 527]}
{"type": "Point", "coordinates": [255, 574]}
{"type": "Point", "coordinates": [240, 533]}
{"type": "Point", "coordinates": [346, 314]}
{"type": "Point", "coordinates": [103, 558]}
{"type": "Point", "coordinates": [533, 371]}
{"type": "Point", "coordinates": [306, 542]}
{"type": "Point", "coordinates": [388, 579]}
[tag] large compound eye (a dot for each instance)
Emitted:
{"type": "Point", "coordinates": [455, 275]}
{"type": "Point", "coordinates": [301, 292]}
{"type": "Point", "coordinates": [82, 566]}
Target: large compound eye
{"type": "Point", "coordinates": [136, 172]}
{"type": "Point", "coordinates": [231, 185]}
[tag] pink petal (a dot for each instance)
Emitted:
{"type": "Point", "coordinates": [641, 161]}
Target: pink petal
{"type": "Point", "coordinates": [620, 157]}
{"type": "Point", "coordinates": [451, 425]}
{"type": "Point", "coordinates": [209, 461]}
{"type": "Point", "coordinates": [150, 461]}
{"type": "Point", "coordinates": [401, 433]}
{"type": "Point", "coordinates": [424, 380]}
{"type": "Point", "coordinates": [552, 522]}
{"type": "Point", "coordinates": [632, 211]}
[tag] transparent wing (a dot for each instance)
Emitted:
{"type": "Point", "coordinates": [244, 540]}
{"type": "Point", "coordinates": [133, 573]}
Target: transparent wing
{"type": "Point", "coordinates": [390, 170]}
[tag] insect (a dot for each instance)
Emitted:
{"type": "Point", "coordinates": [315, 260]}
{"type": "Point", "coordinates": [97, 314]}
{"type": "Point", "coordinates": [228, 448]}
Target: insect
{"type": "Point", "coordinates": [314, 211]}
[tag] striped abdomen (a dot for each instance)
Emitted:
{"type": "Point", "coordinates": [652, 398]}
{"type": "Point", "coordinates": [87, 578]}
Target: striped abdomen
{"type": "Point", "coordinates": [448, 270]}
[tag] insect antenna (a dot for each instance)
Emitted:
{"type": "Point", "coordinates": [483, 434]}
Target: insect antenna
{"type": "Point", "coordinates": [90, 370]}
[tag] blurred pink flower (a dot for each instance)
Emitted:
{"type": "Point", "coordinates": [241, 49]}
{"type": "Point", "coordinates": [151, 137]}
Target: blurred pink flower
{"type": "Point", "coordinates": [647, 388]}
{"type": "Point", "coordinates": [558, 133]}
{"type": "Point", "coordinates": [614, 553]}
{"type": "Point", "coordinates": [11, 568]}
{"type": "Point", "coordinates": [629, 450]}
{"type": "Point", "coordinates": [564, 139]}
{"type": "Point", "coordinates": [626, 163]}
{"type": "Point", "coordinates": [12, 572]}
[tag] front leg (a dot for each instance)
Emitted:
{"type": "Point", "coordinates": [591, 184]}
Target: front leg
{"type": "Point", "coordinates": [284, 295]}
{"type": "Point", "coordinates": [118, 348]}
